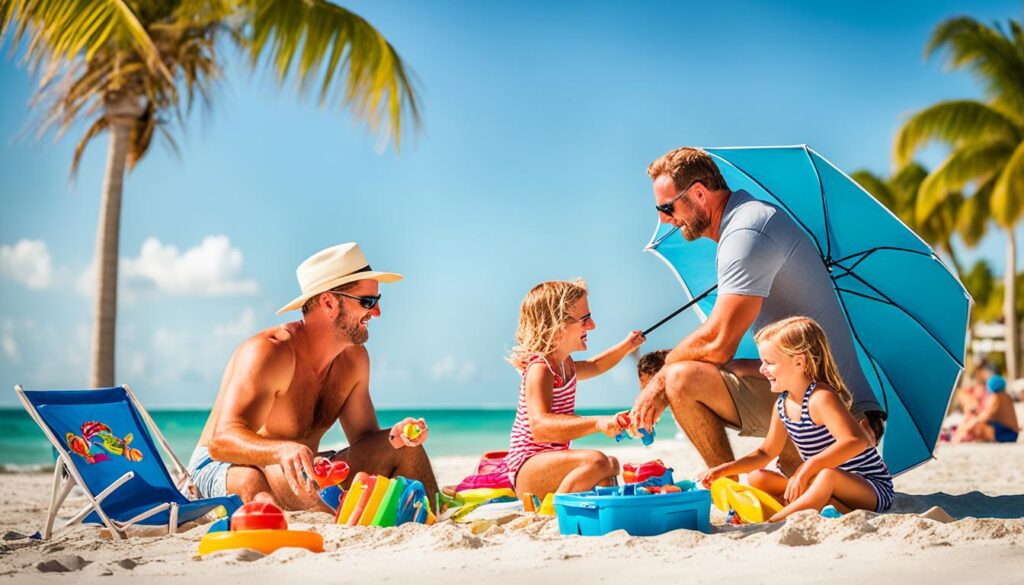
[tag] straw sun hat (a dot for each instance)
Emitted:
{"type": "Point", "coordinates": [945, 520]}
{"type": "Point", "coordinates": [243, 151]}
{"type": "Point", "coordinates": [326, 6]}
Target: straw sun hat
{"type": "Point", "coordinates": [331, 268]}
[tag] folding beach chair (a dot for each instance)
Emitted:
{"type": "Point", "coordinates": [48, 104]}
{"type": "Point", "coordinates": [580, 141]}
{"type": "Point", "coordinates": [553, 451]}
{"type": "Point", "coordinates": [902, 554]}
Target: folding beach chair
{"type": "Point", "coordinates": [105, 446]}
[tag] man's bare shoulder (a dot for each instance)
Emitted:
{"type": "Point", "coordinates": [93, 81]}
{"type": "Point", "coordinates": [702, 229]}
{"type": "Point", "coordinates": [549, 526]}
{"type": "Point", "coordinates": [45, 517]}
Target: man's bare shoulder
{"type": "Point", "coordinates": [269, 352]}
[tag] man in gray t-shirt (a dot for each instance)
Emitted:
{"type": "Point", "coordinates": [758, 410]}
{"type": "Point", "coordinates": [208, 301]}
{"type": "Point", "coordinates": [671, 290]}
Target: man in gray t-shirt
{"type": "Point", "coordinates": [768, 269]}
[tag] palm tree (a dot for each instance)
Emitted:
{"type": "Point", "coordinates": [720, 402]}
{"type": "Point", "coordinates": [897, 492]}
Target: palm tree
{"type": "Point", "coordinates": [131, 67]}
{"type": "Point", "coordinates": [985, 140]}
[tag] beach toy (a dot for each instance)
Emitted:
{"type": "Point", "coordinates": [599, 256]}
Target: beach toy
{"type": "Point", "coordinates": [351, 498]}
{"type": "Point", "coordinates": [412, 431]}
{"type": "Point", "coordinates": [258, 516]}
{"type": "Point", "coordinates": [221, 525]}
{"type": "Point", "coordinates": [331, 496]}
{"type": "Point", "coordinates": [830, 511]}
{"type": "Point", "coordinates": [529, 502]}
{"type": "Point", "coordinates": [387, 511]}
{"type": "Point", "coordinates": [547, 506]}
{"type": "Point", "coordinates": [369, 509]}
{"type": "Point", "coordinates": [628, 508]}
{"type": "Point", "coordinates": [622, 419]}
{"type": "Point", "coordinates": [260, 526]}
{"type": "Point", "coordinates": [328, 473]}
{"type": "Point", "coordinates": [750, 504]}
{"type": "Point", "coordinates": [413, 506]}
{"type": "Point", "coordinates": [484, 495]}
{"type": "Point", "coordinates": [635, 473]}
{"type": "Point", "coordinates": [265, 541]}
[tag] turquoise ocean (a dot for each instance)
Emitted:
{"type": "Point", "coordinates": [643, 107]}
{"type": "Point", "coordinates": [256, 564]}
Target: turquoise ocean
{"type": "Point", "coordinates": [23, 447]}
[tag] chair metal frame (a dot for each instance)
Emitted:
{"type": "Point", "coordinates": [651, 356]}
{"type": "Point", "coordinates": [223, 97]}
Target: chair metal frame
{"type": "Point", "coordinates": [66, 476]}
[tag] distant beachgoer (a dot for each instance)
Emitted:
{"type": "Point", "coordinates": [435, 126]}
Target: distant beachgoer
{"type": "Point", "coordinates": [971, 395]}
{"type": "Point", "coordinates": [767, 269]}
{"type": "Point", "coordinates": [996, 419]}
{"type": "Point", "coordinates": [840, 466]}
{"type": "Point", "coordinates": [553, 323]}
{"type": "Point", "coordinates": [286, 386]}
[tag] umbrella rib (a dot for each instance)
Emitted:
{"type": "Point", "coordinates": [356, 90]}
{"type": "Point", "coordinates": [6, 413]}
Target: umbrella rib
{"type": "Point", "coordinates": [908, 314]}
{"type": "Point", "coordinates": [824, 206]}
{"type": "Point", "coordinates": [878, 368]}
{"type": "Point", "coordinates": [792, 215]}
{"type": "Point", "coordinates": [865, 253]}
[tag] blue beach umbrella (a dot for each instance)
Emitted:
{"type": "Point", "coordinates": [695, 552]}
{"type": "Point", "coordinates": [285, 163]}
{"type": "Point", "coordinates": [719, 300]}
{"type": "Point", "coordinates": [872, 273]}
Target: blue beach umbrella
{"type": "Point", "coordinates": [906, 310]}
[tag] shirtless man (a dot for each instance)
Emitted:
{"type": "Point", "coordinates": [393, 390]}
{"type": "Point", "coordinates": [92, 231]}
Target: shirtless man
{"type": "Point", "coordinates": [286, 386]}
{"type": "Point", "coordinates": [994, 421]}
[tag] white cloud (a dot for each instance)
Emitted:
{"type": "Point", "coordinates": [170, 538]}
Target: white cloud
{"type": "Point", "coordinates": [8, 344]}
{"type": "Point", "coordinates": [213, 268]}
{"type": "Point", "coordinates": [242, 328]}
{"type": "Point", "coordinates": [28, 262]}
{"type": "Point", "coordinates": [448, 369]}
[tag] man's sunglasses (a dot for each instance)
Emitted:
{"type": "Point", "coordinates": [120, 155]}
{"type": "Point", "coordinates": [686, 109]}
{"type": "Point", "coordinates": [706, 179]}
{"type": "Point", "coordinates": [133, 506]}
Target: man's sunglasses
{"type": "Point", "coordinates": [366, 302]}
{"type": "Point", "coordinates": [668, 207]}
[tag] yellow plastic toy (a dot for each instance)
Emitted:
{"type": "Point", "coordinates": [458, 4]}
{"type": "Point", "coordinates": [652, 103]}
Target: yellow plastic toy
{"type": "Point", "coordinates": [380, 487]}
{"type": "Point", "coordinates": [547, 507]}
{"type": "Point", "coordinates": [265, 541]}
{"type": "Point", "coordinates": [411, 431]}
{"type": "Point", "coordinates": [750, 504]}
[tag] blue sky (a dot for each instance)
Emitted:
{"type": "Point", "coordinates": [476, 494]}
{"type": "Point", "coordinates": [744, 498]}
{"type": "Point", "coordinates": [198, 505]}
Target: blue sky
{"type": "Point", "coordinates": [538, 123]}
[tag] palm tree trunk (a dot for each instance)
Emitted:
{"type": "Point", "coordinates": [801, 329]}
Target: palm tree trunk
{"type": "Point", "coordinates": [122, 112]}
{"type": "Point", "coordinates": [1010, 305]}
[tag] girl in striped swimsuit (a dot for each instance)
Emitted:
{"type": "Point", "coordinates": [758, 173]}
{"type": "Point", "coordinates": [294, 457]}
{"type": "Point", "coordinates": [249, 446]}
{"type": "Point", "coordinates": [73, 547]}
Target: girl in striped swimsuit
{"type": "Point", "coordinates": [554, 320]}
{"type": "Point", "coordinates": [840, 465]}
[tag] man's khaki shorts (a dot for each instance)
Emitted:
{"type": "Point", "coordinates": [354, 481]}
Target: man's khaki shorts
{"type": "Point", "coordinates": [754, 402]}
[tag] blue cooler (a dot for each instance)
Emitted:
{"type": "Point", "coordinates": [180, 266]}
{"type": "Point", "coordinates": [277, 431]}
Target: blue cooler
{"type": "Point", "coordinates": [606, 509]}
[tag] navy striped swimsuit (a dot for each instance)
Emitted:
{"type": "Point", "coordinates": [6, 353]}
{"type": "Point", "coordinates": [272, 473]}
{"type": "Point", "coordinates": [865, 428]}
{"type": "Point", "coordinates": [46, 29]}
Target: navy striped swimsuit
{"type": "Point", "coordinates": [811, 439]}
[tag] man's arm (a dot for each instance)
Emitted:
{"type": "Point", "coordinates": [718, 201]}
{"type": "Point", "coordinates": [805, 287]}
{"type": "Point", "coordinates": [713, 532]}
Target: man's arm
{"type": "Point", "coordinates": [261, 369]}
{"type": "Point", "coordinates": [715, 341]}
{"type": "Point", "coordinates": [358, 417]}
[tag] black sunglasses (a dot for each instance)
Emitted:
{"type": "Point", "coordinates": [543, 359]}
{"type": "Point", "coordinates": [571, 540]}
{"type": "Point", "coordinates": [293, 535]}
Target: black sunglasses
{"type": "Point", "coordinates": [366, 302]}
{"type": "Point", "coordinates": [668, 207]}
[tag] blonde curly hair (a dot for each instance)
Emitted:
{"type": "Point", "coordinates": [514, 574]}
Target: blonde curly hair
{"type": "Point", "coordinates": [795, 336]}
{"type": "Point", "coordinates": [542, 316]}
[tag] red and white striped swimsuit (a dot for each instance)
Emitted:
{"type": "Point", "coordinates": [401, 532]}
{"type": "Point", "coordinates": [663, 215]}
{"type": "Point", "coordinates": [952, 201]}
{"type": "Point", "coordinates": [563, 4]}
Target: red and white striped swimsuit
{"type": "Point", "coordinates": [521, 444]}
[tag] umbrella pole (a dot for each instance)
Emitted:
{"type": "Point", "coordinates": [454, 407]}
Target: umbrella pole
{"type": "Point", "coordinates": [679, 310]}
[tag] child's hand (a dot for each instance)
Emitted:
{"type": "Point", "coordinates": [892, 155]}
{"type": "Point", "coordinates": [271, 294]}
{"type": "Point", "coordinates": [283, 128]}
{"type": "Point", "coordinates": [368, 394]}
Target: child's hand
{"type": "Point", "coordinates": [709, 475]}
{"type": "Point", "coordinates": [634, 339]}
{"type": "Point", "coordinates": [797, 484]}
{"type": "Point", "coordinates": [609, 426]}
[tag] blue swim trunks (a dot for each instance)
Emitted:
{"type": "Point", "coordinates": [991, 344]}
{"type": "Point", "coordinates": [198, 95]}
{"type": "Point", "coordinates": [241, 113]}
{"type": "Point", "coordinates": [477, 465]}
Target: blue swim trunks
{"type": "Point", "coordinates": [209, 476]}
{"type": "Point", "coordinates": [1004, 434]}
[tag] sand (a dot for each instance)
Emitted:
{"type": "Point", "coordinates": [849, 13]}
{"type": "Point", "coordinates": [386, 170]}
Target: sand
{"type": "Point", "coordinates": [957, 519]}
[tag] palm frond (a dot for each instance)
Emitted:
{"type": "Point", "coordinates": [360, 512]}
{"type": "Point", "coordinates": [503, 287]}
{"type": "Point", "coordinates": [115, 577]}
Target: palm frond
{"type": "Point", "coordinates": [1008, 192]}
{"type": "Point", "coordinates": [995, 59]}
{"type": "Point", "coordinates": [97, 127]}
{"type": "Point", "coordinates": [66, 30]}
{"type": "Point", "coordinates": [969, 164]}
{"type": "Point", "coordinates": [317, 40]}
{"type": "Point", "coordinates": [973, 219]}
{"type": "Point", "coordinates": [953, 122]}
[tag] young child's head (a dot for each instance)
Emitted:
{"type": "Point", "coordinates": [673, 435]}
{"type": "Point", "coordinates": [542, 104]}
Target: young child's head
{"type": "Point", "coordinates": [795, 350]}
{"type": "Point", "coordinates": [554, 317]}
{"type": "Point", "coordinates": [649, 365]}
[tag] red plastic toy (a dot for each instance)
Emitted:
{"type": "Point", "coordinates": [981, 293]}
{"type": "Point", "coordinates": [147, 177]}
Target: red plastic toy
{"type": "Point", "coordinates": [328, 473]}
{"type": "Point", "coordinates": [258, 516]}
{"type": "Point", "coordinates": [632, 473]}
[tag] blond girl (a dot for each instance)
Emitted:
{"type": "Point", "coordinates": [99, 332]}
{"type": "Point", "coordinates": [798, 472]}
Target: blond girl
{"type": "Point", "coordinates": [554, 320]}
{"type": "Point", "coordinates": [840, 466]}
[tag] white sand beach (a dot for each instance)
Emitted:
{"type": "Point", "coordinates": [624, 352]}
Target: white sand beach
{"type": "Point", "coordinates": [980, 541]}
